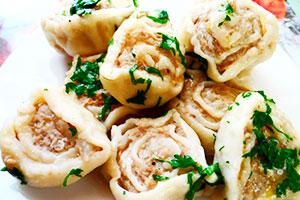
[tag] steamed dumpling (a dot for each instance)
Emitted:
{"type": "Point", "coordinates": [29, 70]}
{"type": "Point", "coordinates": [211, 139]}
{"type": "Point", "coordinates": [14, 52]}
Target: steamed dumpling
{"type": "Point", "coordinates": [143, 67]}
{"type": "Point", "coordinates": [50, 141]}
{"type": "Point", "coordinates": [202, 104]}
{"type": "Point", "coordinates": [85, 28]}
{"type": "Point", "coordinates": [257, 149]}
{"type": "Point", "coordinates": [137, 146]}
{"type": "Point", "coordinates": [232, 35]}
{"type": "Point", "coordinates": [83, 84]}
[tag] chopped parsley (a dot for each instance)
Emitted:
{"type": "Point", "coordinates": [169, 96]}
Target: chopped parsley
{"type": "Point", "coordinates": [229, 11]}
{"type": "Point", "coordinates": [229, 108]}
{"type": "Point", "coordinates": [15, 172]}
{"type": "Point", "coordinates": [106, 108]}
{"type": "Point", "coordinates": [158, 102]}
{"type": "Point", "coordinates": [83, 7]}
{"type": "Point", "coordinates": [162, 17]}
{"type": "Point", "coordinates": [85, 79]}
{"type": "Point", "coordinates": [76, 172]}
{"type": "Point", "coordinates": [133, 80]}
{"type": "Point", "coordinates": [73, 131]}
{"type": "Point", "coordinates": [269, 152]}
{"type": "Point", "coordinates": [159, 178]}
{"type": "Point", "coordinates": [186, 162]}
{"type": "Point", "coordinates": [111, 42]}
{"type": "Point", "coordinates": [135, 3]}
{"type": "Point", "coordinates": [153, 70]}
{"type": "Point", "coordinates": [246, 94]}
{"type": "Point", "coordinates": [221, 148]}
{"type": "Point", "coordinates": [141, 95]}
{"type": "Point", "coordinates": [172, 44]}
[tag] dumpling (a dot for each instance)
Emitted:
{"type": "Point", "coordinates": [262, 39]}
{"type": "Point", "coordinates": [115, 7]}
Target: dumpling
{"type": "Point", "coordinates": [232, 35]}
{"type": "Point", "coordinates": [153, 157]}
{"type": "Point", "coordinates": [257, 149]}
{"type": "Point", "coordinates": [50, 142]}
{"type": "Point", "coordinates": [83, 84]}
{"type": "Point", "coordinates": [202, 104]}
{"type": "Point", "coordinates": [84, 27]}
{"type": "Point", "coordinates": [144, 65]}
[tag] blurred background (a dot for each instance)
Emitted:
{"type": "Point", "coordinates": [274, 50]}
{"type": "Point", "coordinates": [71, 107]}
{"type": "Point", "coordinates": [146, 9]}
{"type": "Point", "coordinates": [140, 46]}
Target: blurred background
{"type": "Point", "coordinates": [18, 19]}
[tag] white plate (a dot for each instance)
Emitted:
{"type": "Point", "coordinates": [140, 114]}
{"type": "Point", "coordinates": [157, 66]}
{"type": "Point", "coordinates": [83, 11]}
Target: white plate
{"type": "Point", "coordinates": [35, 64]}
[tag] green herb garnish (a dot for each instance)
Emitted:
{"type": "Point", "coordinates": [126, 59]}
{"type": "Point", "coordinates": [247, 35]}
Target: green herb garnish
{"type": "Point", "coordinates": [229, 11]}
{"type": "Point", "coordinates": [141, 95]}
{"type": "Point", "coordinates": [246, 94]}
{"type": "Point", "coordinates": [111, 42]}
{"type": "Point", "coordinates": [186, 162]}
{"type": "Point", "coordinates": [15, 172]}
{"type": "Point", "coordinates": [106, 108]}
{"type": "Point", "coordinates": [160, 178]}
{"type": "Point", "coordinates": [172, 44]}
{"type": "Point", "coordinates": [85, 79]}
{"type": "Point", "coordinates": [270, 154]}
{"type": "Point", "coordinates": [221, 148]}
{"type": "Point", "coordinates": [152, 70]}
{"type": "Point", "coordinates": [83, 7]}
{"type": "Point", "coordinates": [162, 17]}
{"type": "Point", "coordinates": [133, 80]}
{"type": "Point", "coordinates": [73, 131]}
{"type": "Point", "coordinates": [135, 3]}
{"type": "Point", "coordinates": [76, 172]}
{"type": "Point", "coordinates": [158, 102]}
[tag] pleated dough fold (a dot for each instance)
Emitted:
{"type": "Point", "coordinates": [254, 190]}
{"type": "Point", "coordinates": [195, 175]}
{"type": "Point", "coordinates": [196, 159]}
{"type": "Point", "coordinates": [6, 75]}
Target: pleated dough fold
{"type": "Point", "coordinates": [202, 104]}
{"type": "Point", "coordinates": [102, 105]}
{"type": "Point", "coordinates": [232, 35]}
{"type": "Point", "coordinates": [136, 145]}
{"type": "Point", "coordinates": [244, 176]}
{"type": "Point", "coordinates": [88, 34]}
{"type": "Point", "coordinates": [52, 135]}
{"type": "Point", "coordinates": [140, 70]}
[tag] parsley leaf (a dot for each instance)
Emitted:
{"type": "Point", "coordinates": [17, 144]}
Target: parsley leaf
{"type": "Point", "coordinates": [15, 172]}
{"type": "Point", "coordinates": [246, 94]}
{"type": "Point", "coordinates": [111, 42]}
{"type": "Point", "coordinates": [106, 108]}
{"type": "Point", "coordinates": [133, 80]}
{"type": "Point", "coordinates": [76, 172]}
{"type": "Point", "coordinates": [159, 178]}
{"type": "Point", "coordinates": [172, 44]}
{"type": "Point", "coordinates": [162, 18]}
{"type": "Point", "coordinates": [158, 102]}
{"type": "Point", "coordinates": [85, 79]}
{"type": "Point", "coordinates": [188, 162]}
{"type": "Point", "coordinates": [73, 131]}
{"type": "Point", "coordinates": [152, 70]}
{"type": "Point", "coordinates": [229, 11]}
{"type": "Point", "coordinates": [140, 96]}
{"type": "Point", "coordinates": [83, 7]}
{"type": "Point", "coordinates": [135, 3]}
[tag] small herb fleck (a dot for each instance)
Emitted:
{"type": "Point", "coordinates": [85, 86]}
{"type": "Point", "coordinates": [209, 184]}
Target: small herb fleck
{"type": "Point", "coordinates": [162, 17]}
{"type": "Point", "coordinates": [172, 44]}
{"type": "Point", "coordinates": [76, 172]}
{"type": "Point", "coordinates": [229, 11]}
{"type": "Point", "coordinates": [159, 178]}
{"type": "Point", "coordinates": [153, 70]}
{"type": "Point", "coordinates": [221, 148]}
{"type": "Point", "coordinates": [73, 131]}
{"type": "Point", "coordinates": [135, 3]}
{"type": "Point", "coordinates": [83, 7]}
